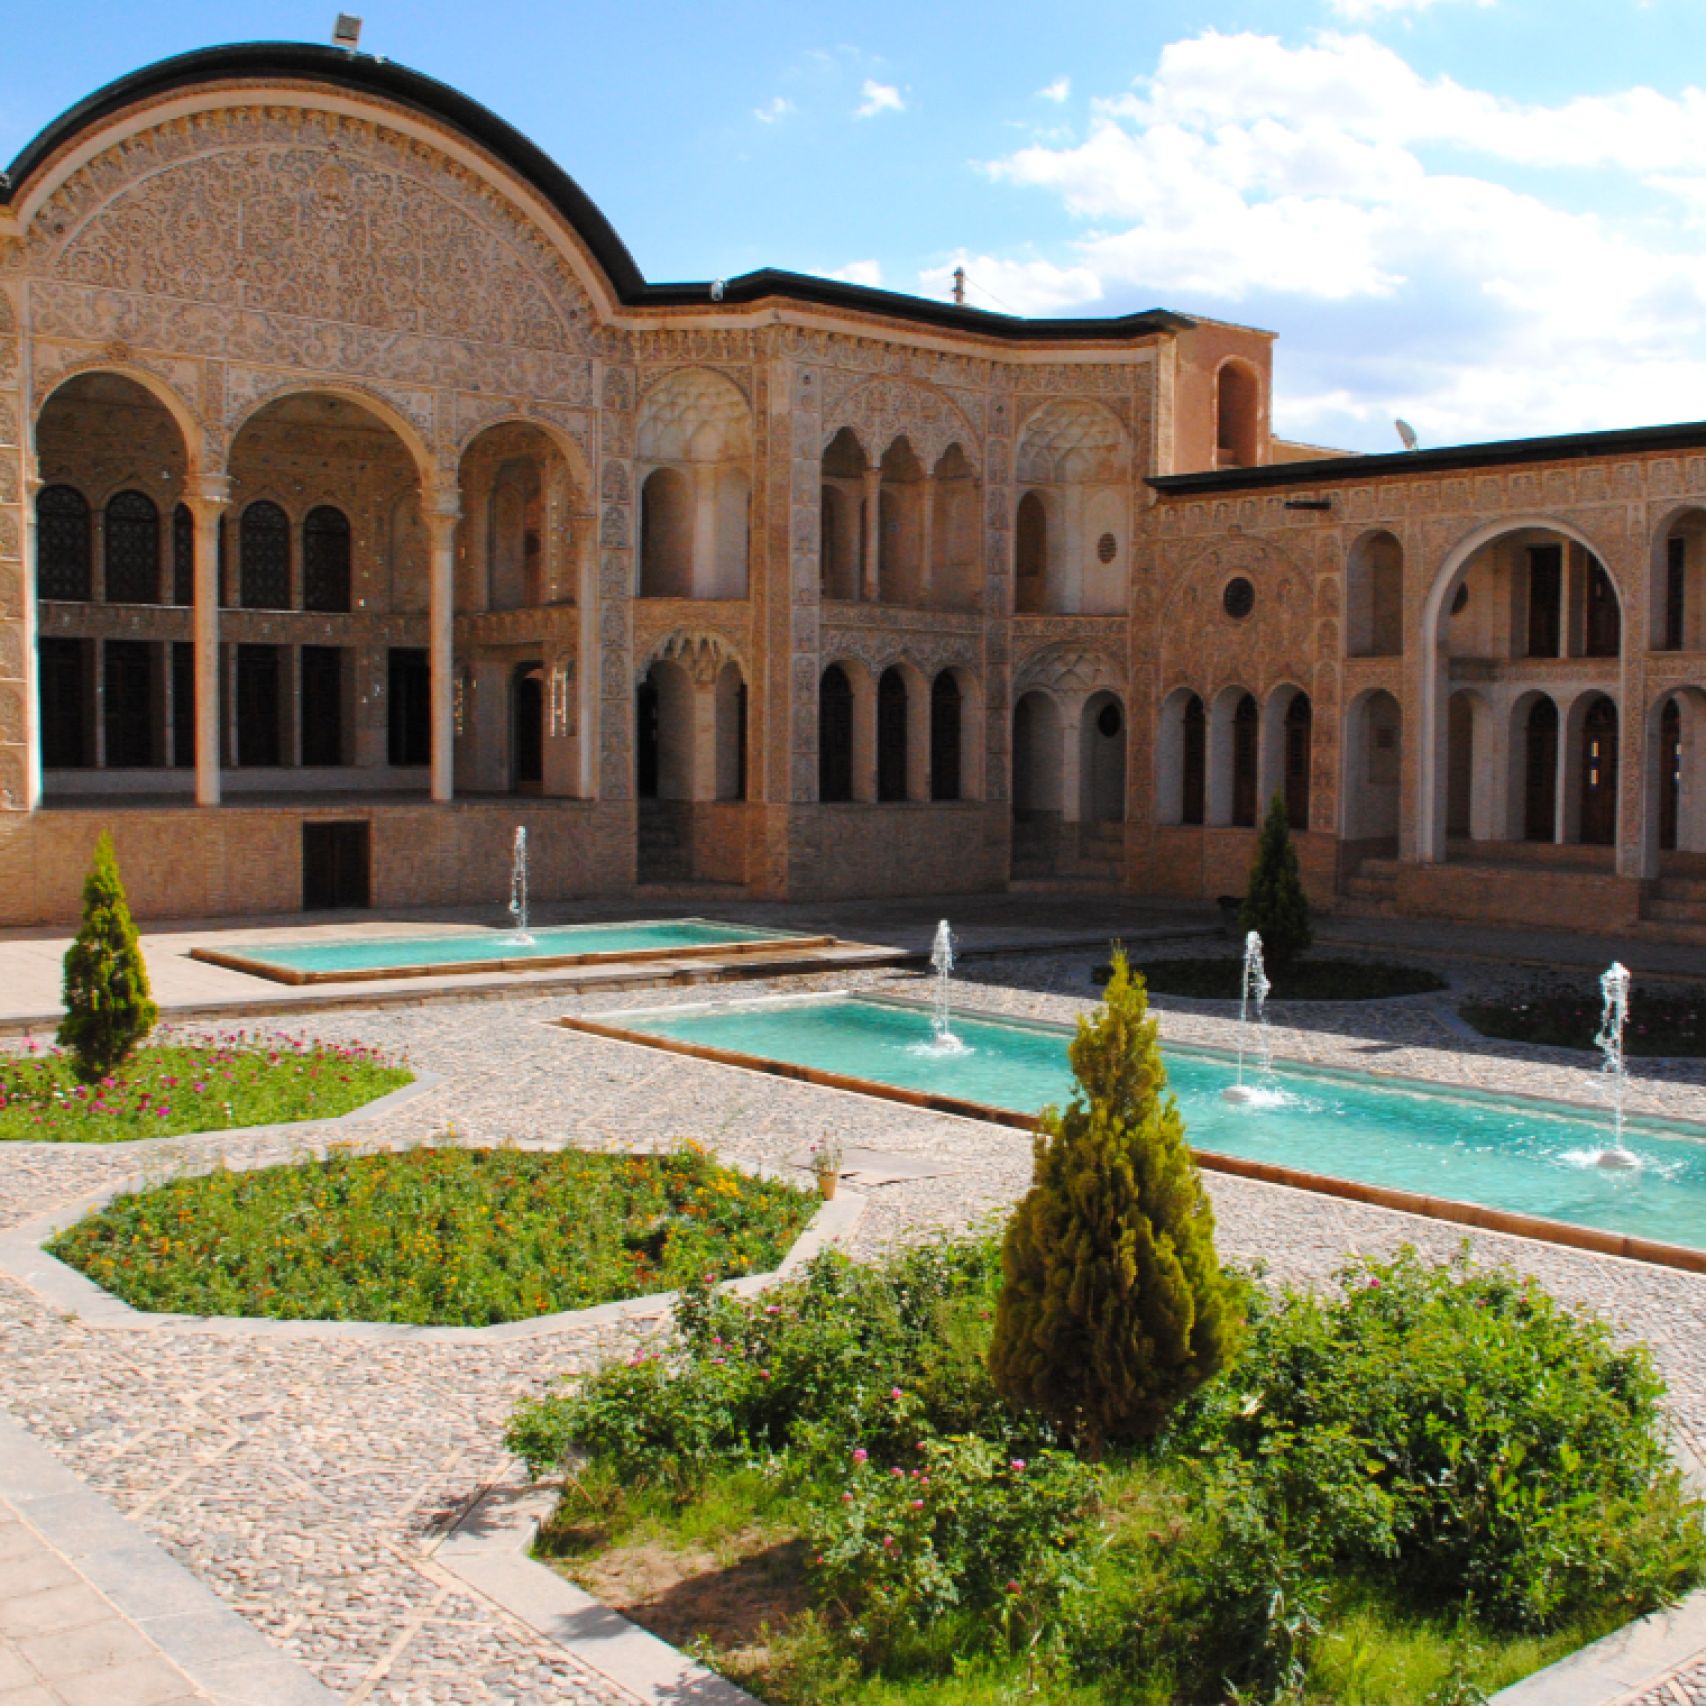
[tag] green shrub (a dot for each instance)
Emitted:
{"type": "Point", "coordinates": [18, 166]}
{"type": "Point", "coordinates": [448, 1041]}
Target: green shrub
{"type": "Point", "coordinates": [1114, 1306]}
{"type": "Point", "coordinates": [1458, 1425]}
{"type": "Point", "coordinates": [1275, 906]}
{"type": "Point", "coordinates": [108, 1006]}
{"type": "Point", "coordinates": [955, 1525]}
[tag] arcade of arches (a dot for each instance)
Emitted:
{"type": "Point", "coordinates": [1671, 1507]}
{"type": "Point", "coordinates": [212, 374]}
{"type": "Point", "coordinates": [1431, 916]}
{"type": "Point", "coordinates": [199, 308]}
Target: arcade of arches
{"type": "Point", "coordinates": [866, 596]}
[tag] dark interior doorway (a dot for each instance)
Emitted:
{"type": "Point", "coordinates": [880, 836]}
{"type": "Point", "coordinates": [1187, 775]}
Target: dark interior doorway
{"type": "Point", "coordinates": [335, 865]}
{"type": "Point", "coordinates": [527, 731]}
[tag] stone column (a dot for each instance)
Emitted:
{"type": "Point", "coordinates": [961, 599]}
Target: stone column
{"type": "Point", "coordinates": [873, 534]}
{"type": "Point", "coordinates": [927, 540]}
{"type": "Point", "coordinates": [207, 498]}
{"type": "Point", "coordinates": [443, 509]}
{"type": "Point", "coordinates": [702, 566]}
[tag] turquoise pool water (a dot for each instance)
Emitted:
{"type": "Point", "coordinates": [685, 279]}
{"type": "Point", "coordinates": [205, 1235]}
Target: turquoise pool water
{"type": "Point", "coordinates": [390, 953]}
{"type": "Point", "coordinates": [1529, 1157]}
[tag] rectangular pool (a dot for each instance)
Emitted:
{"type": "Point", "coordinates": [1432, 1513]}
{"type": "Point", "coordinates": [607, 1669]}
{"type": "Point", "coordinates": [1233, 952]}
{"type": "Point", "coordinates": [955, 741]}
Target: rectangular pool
{"type": "Point", "coordinates": [1510, 1154]}
{"type": "Point", "coordinates": [360, 957]}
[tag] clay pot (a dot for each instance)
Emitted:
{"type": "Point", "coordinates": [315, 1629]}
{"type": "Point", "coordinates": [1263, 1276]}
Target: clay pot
{"type": "Point", "coordinates": [826, 1184]}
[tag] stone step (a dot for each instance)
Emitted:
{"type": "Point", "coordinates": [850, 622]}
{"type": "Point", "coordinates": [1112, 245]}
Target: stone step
{"type": "Point", "coordinates": [1362, 906]}
{"type": "Point", "coordinates": [1681, 888]}
{"type": "Point", "coordinates": [1664, 908]}
{"type": "Point", "coordinates": [1365, 887]}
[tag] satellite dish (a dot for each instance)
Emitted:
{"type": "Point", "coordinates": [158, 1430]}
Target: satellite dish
{"type": "Point", "coordinates": [1407, 433]}
{"type": "Point", "coordinates": [717, 291]}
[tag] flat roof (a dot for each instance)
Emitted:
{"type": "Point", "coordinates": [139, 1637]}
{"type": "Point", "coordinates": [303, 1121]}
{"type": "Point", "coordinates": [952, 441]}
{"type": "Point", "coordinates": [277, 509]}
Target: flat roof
{"type": "Point", "coordinates": [1339, 470]}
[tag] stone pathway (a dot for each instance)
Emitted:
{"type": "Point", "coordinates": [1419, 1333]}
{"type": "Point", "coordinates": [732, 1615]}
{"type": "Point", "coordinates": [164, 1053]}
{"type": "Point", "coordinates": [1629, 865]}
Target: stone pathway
{"type": "Point", "coordinates": [62, 1643]}
{"type": "Point", "coordinates": [309, 1480]}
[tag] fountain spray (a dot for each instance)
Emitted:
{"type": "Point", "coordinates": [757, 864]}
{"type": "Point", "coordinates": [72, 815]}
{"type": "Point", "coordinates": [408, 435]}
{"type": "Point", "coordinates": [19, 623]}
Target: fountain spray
{"type": "Point", "coordinates": [942, 963]}
{"type": "Point", "coordinates": [518, 886]}
{"type": "Point", "coordinates": [1614, 1015]}
{"type": "Point", "coordinates": [1253, 988]}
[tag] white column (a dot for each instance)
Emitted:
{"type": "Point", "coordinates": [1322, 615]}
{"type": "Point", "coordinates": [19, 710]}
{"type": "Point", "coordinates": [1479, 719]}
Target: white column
{"type": "Point", "coordinates": [1071, 762]}
{"type": "Point", "coordinates": [702, 568]}
{"type": "Point", "coordinates": [443, 509]}
{"type": "Point", "coordinates": [207, 501]}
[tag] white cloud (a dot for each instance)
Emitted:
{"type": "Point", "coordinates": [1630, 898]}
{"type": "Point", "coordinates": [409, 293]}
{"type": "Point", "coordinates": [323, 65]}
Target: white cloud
{"type": "Point", "coordinates": [1056, 91]}
{"type": "Point", "coordinates": [1331, 186]}
{"type": "Point", "coordinates": [1032, 286]}
{"type": "Point", "coordinates": [859, 272]}
{"type": "Point", "coordinates": [879, 98]}
{"type": "Point", "coordinates": [777, 108]}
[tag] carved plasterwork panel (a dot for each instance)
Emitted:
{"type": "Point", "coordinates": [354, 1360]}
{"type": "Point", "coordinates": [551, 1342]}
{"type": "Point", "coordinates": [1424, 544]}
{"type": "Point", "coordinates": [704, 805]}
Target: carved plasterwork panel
{"type": "Point", "coordinates": [1205, 648]}
{"type": "Point", "coordinates": [702, 653]}
{"type": "Point", "coordinates": [1070, 667]}
{"type": "Point", "coordinates": [1073, 440]}
{"type": "Point", "coordinates": [694, 415]}
{"type": "Point", "coordinates": [291, 211]}
{"type": "Point", "coordinates": [884, 409]}
{"type": "Point", "coordinates": [877, 649]}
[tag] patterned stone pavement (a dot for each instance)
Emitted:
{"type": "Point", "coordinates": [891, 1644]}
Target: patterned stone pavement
{"type": "Point", "coordinates": [308, 1480]}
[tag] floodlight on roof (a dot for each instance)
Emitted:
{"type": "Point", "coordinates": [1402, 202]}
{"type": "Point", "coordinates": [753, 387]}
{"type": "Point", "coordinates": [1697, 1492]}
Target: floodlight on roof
{"type": "Point", "coordinates": [346, 32]}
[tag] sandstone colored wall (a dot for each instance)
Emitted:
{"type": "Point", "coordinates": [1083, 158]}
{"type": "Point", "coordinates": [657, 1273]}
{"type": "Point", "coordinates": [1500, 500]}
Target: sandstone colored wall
{"type": "Point", "coordinates": [843, 851]}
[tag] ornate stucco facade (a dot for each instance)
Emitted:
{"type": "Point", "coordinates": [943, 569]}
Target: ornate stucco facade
{"type": "Point", "coordinates": [359, 500]}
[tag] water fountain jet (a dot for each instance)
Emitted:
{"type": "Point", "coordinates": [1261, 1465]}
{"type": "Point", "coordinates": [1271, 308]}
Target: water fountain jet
{"type": "Point", "coordinates": [1614, 1015]}
{"type": "Point", "coordinates": [942, 1039]}
{"type": "Point", "coordinates": [518, 888]}
{"type": "Point", "coordinates": [1254, 988]}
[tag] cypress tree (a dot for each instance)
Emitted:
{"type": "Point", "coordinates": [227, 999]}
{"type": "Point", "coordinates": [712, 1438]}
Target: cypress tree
{"type": "Point", "coordinates": [108, 1006]}
{"type": "Point", "coordinates": [1275, 906]}
{"type": "Point", "coordinates": [1114, 1306]}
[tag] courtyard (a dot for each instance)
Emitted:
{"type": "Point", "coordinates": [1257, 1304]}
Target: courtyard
{"type": "Point", "coordinates": [321, 1481]}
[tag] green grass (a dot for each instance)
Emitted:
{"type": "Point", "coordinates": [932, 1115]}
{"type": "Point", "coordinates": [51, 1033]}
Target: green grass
{"type": "Point", "coordinates": [166, 1089]}
{"type": "Point", "coordinates": [444, 1237]}
{"type": "Point", "coordinates": [1671, 1022]}
{"type": "Point", "coordinates": [1373, 1650]}
{"type": "Point", "coordinates": [1221, 978]}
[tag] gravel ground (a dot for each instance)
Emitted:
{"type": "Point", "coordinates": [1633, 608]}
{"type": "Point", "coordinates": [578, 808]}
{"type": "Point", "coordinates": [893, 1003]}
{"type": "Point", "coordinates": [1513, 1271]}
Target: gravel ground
{"type": "Point", "coordinates": [308, 1480]}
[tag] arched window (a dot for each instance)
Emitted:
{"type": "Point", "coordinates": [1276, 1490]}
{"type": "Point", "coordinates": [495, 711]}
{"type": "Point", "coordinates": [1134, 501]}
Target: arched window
{"type": "Point", "coordinates": [132, 549]}
{"type": "Point", "coordinates": [263, 557]}
{"type": "Point", "coordinates": [183, 555]}
{"type": "Point", "coordinates": [1670, 775]}
{"type": "Point", "coordinates": [1375, 598]}
{"type": "Point", "coordinates": [326, 559]}
{"type": "Point", "coordinates": [1031, 553]}
{"type": "Point", "coordinates": [945, 708]}
{"type": "Point", "coordinates": [1237, 411]}
{"type": "Point", "coordinates": [1540, 772]}
{"type": "Point", "coordinates": [1194, 768]}
{"type": "Point", "coordinates": [62, 543]}
{"type": "Point", "coordinates": [1299, 723]}
{"type": "Point", "coordinates": [1602, 629]}
{"type": "Point", "coordinates": [666, 535]}
{"type": "Point", "coordinates": [835, 736]}
{"type": "Point", "coordinates": [1599, 774]}
{"type": "Point", "coordinates": [831, 570]}
{"type": "Point", "coordinates": [891, 736]}
{"type": "Point", "coordinates": [1246, 726]}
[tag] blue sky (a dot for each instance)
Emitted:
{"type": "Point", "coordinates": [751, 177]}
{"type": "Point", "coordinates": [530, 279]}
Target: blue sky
{"type": "Point", "coordinates": [1488, 216]}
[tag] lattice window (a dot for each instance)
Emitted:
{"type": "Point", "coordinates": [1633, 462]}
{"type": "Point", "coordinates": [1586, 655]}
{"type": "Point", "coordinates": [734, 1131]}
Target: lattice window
{"type": "Point", "coordinates": [326, 559]}
{"type": "Point", "coordinates": [263, 546]}
{"type": "Point", "coordinates": [132, 549]}
{"type": "Point", "coordinates": [62, 543]}
{"type": "Point", "coordinates": [183, 555]}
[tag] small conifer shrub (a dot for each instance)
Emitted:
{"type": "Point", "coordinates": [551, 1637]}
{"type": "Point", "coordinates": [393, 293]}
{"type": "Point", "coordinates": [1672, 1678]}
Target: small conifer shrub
{"type": "Point", "coordinates": [1275, 906]}
{"type": "Point", "coordinates": [1114, 1306]}
{"type": "Point", "coordinates": [108, 1006]}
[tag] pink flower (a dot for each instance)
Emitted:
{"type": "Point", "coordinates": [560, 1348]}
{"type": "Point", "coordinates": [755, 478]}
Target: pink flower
{"type": "Point", "coordinates": [888, 1540]}
{"type": "Point", "coordinates": [860, 1455]}
{"type": "Point", "coordinates": [918, 1504]}
{"type": "Point", "coordinates": [1017, 1466]}
{"type": "Point", "coordinates": [894, 1392]}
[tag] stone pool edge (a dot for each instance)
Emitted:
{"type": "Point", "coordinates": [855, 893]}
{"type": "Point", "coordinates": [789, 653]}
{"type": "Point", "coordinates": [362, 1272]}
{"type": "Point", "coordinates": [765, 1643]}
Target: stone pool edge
{"type": "Point", "coordinates": [24, 1258]}
{"type": "Point", "coordinates": [1473, 1216]}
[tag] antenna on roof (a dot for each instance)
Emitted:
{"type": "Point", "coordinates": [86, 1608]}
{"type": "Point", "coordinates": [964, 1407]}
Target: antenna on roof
{"type": "Point", "coordinates": [1407, 433]}
{"type": "Point", "coordinates": [346, 32]}
{"type": "Point", "coordinates": [960, 285]}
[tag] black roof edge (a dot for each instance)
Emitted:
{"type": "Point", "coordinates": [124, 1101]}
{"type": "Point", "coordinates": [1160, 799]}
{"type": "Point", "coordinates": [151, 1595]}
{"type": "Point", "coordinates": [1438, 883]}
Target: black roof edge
{"type": "Point", "coordinates": [1567, 447]}
{"type": "Point", "coordinates": [367, 73]}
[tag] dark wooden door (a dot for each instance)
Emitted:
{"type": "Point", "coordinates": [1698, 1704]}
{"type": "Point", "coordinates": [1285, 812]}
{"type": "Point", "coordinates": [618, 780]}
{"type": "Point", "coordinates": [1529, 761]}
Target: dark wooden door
{"type": "Point", "coordinates": [1540, 774]}
{"type": "Point", "coordinates": [1599, 775]}
{"type": "Point", "coordinates": [335, 864]}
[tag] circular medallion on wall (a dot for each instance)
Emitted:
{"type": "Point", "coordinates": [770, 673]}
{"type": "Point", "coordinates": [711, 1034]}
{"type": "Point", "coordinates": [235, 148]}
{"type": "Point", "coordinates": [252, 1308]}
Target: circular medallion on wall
{"type": "Point", "coordinates": [1107, 548]}
{"type": "Point", "coordinates": [1108, 721]}
{"type": "Point", "coordinates": [1239, 598]}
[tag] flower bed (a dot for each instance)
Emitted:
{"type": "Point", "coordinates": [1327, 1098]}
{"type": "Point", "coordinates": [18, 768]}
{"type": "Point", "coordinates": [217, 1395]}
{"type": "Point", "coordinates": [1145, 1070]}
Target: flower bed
{"type": "Point", "coordinates": [238, 1078]}
{"type": "Point", "coordinates": [1666, 1021]}
{"type": "Point", "coordinates": [444, 1237]}
{"type": "Point", "coordinates": [1405, 1493]}
{"type": "Point", "coordinates": [1221, 979]}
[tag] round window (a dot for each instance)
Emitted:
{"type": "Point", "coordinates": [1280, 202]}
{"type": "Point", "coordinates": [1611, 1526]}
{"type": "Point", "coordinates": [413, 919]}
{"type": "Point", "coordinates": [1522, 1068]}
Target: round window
{"type": "Point", "coordinates": [1239, 598]}
{"type": "Point", "coordinates": [1108, 721]}
{"type": "Point", "coordinates": [1107, 548]}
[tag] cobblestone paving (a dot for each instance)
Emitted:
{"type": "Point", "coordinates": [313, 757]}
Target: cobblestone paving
{"type": "Point", "coordinates": [308, 1479]}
